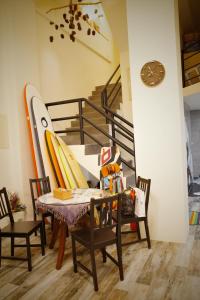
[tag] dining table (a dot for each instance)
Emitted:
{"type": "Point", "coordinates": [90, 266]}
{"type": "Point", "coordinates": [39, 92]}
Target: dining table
{"type": "Point", "coordinates": [66, 214]}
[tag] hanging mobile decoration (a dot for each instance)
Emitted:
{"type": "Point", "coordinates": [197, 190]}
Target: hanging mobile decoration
{"type": "Point", "coordinates": [72, 18]}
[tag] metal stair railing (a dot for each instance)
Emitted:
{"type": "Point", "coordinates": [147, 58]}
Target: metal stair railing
{"type": "Point", "coordinates": [185, 80]}
{"type": "Point", "coordinates": [83, 120]}
{"type": "Point", "coordinates": [107, 101]}
{"type": "Point", "coordinates": [108, 98]}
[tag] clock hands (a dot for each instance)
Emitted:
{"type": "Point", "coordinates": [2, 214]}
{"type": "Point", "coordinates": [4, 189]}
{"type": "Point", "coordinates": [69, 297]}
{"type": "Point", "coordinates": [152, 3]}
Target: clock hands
{"type": "Point", "coordinates": [150, 70]}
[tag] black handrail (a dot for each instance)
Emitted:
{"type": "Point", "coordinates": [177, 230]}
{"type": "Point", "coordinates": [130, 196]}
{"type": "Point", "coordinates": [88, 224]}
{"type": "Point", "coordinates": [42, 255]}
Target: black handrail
{"type": "Point", "coordinates": [119, 117]}
{"type": "Point", "coordinates": [105, 98]}
{"type": "Point", "coordinates": [110, 137]}
{"type": "Point", "coordinates": [121, 126]}
{"type": "Point", "coordinates": [111, 77]}
{"type": "Point", "coordinates": [83, 119]}
{"type": "Point", "coordinates": [95, 107]}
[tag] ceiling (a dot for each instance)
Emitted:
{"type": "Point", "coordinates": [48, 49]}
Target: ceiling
{"type": "Point", "coordinates": [189, 12]}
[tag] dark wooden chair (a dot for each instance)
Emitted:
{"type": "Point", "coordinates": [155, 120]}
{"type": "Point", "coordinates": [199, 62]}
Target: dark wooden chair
{"type": "Point", "coordinates": [20, 229]}
{"type": "Point", "coordinates": [99, 235]}
{"type": "Point", "coordinates": [39, 187]}
{"type": "Point", "coordinates": [144, 185]}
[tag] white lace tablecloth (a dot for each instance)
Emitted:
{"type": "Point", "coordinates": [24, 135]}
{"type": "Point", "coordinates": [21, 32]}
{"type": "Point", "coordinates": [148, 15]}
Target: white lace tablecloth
{"type": "Point", "coordinates": [69, 210]}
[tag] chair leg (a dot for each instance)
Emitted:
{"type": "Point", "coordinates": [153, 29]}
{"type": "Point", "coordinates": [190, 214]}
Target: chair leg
{"type": "Point", "coordinates": [138, 231]}
{"type": "Point", "coordinates": [74, 254]}
{"type": "Point", "coordinates": [44, 232]}
{"type": "Point", "coordinates": [28, 253]}
{"type": "Point", "coordinates": [61, 249]}
{"type": "Point", "coordinates": [103, 251]}
{"type": "Point", "coordinates": [67, 231]}
{"type": "Point", "coordinates": [35, 219]}
{"type": "Point", "coordinates": [94, 272]}
{"type": "Point", "coordinates": [52, 220]}
{"type": "Point", "coordinates": [56, 226]}
{"type": "Point", "coordinates": [147, 233]}
{"type": "Point", "coordinates": [42, 238]}
{"type": "Point", "coordinates": [119, 256]}
{"type": "Point", "coordinates": [0, 251]}
{"type": "Point", "coordinates": [12, 246]}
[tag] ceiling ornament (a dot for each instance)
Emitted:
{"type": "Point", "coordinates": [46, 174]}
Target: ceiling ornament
{"type": "Point", "coordinates": [73, 16]}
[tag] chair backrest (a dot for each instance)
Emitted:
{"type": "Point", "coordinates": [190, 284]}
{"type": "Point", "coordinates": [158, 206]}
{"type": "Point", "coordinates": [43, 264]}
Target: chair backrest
{"type": "Point", "coordinates": [39, 187]}
{"type": "Point", "coordinates": [144, 185]}
{"type": "Point", "coordinates": [101, 214]}
{"type": "Point", "coordinates": [5, 207]}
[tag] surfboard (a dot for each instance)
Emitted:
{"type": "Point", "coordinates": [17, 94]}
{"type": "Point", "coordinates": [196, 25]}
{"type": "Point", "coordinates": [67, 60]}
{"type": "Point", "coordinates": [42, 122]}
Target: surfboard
{"type": "Point", "coordinates": [53, 159]}
{"type": "Point", "coordinates": [56, 146]}
{"type": "Point", "coordinates": [29, 92]}
{"type": "Point", "coordinates": [41, 122]}
{"type": "Point", "coordinates": [73, 164]}
{"type": "Point", "coordinates": [67, 169]}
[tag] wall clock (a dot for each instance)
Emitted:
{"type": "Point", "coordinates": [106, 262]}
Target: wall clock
{"type": "Point", "coordinates": [152, 73]}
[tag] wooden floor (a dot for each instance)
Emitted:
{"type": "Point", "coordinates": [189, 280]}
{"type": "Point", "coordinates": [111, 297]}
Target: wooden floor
{"type": "Point", "coordinates": [167, 271]}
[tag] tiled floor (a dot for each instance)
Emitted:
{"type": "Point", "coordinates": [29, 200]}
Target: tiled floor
{"type": "Point", "coordinates": [167, 271]}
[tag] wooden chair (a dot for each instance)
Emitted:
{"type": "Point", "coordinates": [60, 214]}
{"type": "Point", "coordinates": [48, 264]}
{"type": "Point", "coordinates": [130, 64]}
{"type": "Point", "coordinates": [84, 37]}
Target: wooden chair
{"type": "Point", "coordinates": [144, 185]}
{"type": "Point", "coordinates": [20, 229]}
{"type": "Point", "coordinates": [99, 235]}
{"type": "Point", "coordinates": [39, 187]}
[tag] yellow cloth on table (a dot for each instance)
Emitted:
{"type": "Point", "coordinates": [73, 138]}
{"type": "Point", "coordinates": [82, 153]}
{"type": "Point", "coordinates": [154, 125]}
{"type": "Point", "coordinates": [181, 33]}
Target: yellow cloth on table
{"type": "Point", "coordinates": [62, 194]}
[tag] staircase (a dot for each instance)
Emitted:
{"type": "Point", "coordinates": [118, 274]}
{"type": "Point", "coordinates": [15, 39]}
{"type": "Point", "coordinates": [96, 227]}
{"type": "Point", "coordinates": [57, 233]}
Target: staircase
{"type": "Point", "coordinates": [99, 124]}
{"type": "Point", "coordinates": [73, 138]}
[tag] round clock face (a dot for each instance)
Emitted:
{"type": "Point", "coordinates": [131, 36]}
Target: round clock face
{"type": "Point", "coordinates": [152, 73]}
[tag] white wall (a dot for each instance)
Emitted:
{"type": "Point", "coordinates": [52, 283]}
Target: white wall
{"type": "Point", "coordinates": [60, 70]}
{"type": "Point", "coordinates": [125, 107]}
{"type": "Point", "coordinates": [158, 116]}
{"type": "Point", "coordinates": [117, 18]}
{"type": "Point", "coordinates": [19, 64]}
{"type": "Point", "coordinates": [71, 70]}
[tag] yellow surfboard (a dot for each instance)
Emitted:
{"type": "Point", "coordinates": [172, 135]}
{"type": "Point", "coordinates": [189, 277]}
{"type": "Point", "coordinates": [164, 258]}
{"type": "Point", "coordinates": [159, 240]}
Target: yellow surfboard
{"type": "Point", "coordinates": [56, 145]}
{"type": "Point", "coordinates": [53, 159]}
{"type": "Point", "coordinates": [73, 164]}
{"type": "Point", "coordinates": [67, 169]}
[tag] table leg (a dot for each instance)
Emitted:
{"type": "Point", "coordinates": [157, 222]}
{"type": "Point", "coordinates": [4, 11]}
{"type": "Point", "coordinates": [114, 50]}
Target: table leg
{"type": "Point", "coordinates": [54, 236]}
{"type": "Point", "coordinates": [61, 249]}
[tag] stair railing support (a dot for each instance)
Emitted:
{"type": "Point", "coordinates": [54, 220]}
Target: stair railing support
{"type": "Point", "coordinates": [113, 130]}
{"type": "Point", "coordinates": [81, 121]}
{"type": "Point", "coordinates": [104, 102]}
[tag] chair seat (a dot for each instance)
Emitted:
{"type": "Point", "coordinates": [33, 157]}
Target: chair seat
{"type": "Point", "coordinates": [127, 219]}
{"type": "Point", "coordinates": [21, 228]}
{"type": "Point", "coordinates": [105, 236]}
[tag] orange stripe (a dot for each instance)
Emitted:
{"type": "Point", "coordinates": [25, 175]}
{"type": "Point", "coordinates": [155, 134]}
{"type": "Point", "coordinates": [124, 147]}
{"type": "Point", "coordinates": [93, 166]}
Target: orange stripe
{"type": "Point", "coordinates": [30, 134]}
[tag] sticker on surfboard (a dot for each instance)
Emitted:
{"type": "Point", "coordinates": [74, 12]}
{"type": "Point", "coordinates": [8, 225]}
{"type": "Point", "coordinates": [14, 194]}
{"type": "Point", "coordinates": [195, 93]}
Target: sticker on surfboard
{"type": "Point", "coordinates": [29, 92]}
{"type": "Point", "coordinates": [41, 122]}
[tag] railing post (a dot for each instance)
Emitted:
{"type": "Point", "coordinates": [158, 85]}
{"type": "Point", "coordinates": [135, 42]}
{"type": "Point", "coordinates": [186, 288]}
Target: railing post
{"type": "Point", "coordinates": [183, 68]}
{"type": "Point", "coordinates": [81, 121]}
{"type": "Point", "coordinates": [105, 103]}
{"type": "Point", "coordinates": [113, 130]}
